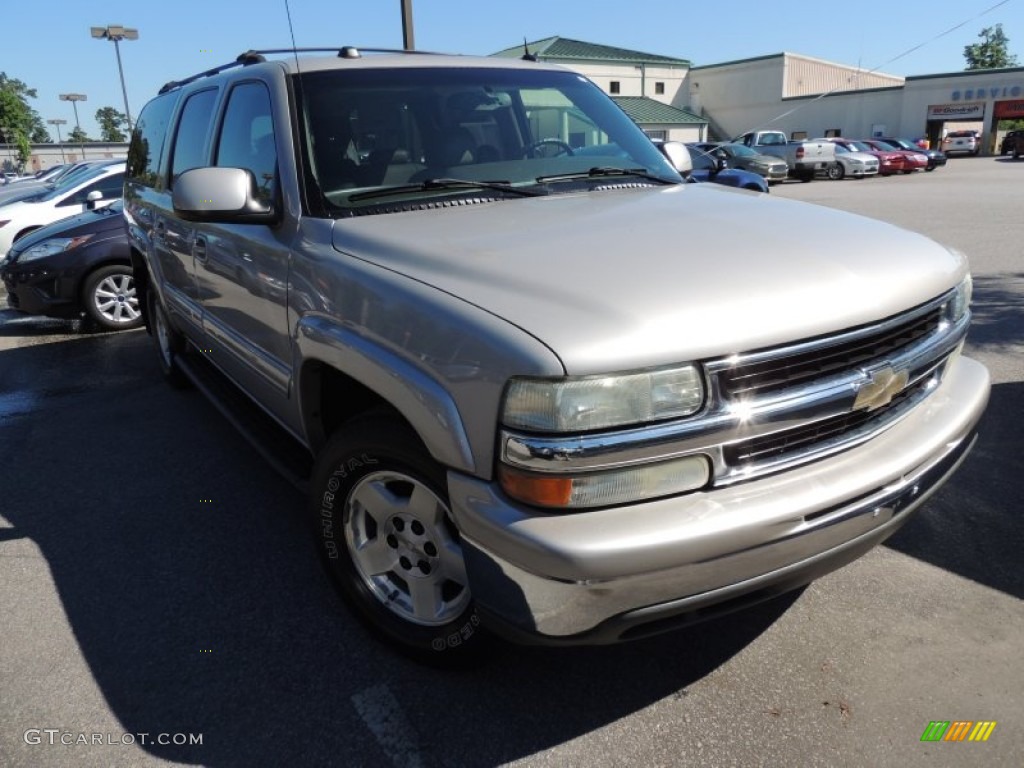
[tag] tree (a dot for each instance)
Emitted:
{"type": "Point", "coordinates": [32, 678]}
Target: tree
{"type": "Point", "coordinates": [991, 52]}
{"type": "Point", "coordinates": [111, 121]}
{"type": "Point", "coordinates": [78, 136]}
{"type": "Point", "coordinates": [23, 123]}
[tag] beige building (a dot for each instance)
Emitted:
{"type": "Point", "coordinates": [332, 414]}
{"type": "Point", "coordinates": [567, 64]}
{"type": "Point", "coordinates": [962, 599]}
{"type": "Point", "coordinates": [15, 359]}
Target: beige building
{"type": "Point", "coordinates": [799, 95]}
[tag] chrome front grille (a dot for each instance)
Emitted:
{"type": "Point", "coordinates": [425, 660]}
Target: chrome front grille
{"type": "Point", "coordinates": [780, 445]}
{"type": "Point", "coordinates": [911, 348]}
{"type": "Point", "coordinates": [774, 370]}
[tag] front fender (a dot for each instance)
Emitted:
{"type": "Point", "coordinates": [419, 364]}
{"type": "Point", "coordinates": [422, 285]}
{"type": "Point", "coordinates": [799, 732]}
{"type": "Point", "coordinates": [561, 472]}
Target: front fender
{"type": "Point", "coordinates": [420, 398]}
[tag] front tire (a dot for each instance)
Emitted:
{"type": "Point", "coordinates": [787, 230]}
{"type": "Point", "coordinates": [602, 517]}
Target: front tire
{"type": "Point", "coordinates": [836, 171]}
{"type": "Point", "coordinates": [109, 298]}
{"type": "Point", "coordinates": [384, 530]}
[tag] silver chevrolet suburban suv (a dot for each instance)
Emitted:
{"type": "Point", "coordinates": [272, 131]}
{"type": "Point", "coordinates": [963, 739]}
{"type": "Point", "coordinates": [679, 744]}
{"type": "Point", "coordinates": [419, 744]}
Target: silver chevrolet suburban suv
{"type": "Point", "coordinates": [533, 382]}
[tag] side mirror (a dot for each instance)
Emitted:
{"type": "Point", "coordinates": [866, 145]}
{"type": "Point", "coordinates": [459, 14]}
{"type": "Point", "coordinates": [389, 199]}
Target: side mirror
{"type": "Point", "coordinates": [220, 195]}
{"type": "Point", "coordinates": [678, 156]}
{"type": "Point", "coordinates": [92, 198]}
{"type": "Point", "coordinates": [721, 163]}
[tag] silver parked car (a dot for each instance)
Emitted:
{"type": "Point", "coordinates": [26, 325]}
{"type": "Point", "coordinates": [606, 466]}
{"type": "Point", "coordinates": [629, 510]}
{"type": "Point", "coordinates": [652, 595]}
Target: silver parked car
{"type": "Point", "coordinates": [857, 165]}
{"type": "Point", "coordinates": [533, 381]}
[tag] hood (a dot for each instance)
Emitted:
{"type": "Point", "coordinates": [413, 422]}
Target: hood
{"type": "Point", "coordinates": [80, 224]}
{"type": "Point", "coordinates": [624, 279]}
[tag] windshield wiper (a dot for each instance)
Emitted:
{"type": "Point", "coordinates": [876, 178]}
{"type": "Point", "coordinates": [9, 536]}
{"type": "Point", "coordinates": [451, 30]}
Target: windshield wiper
{"type": "Point", "coordinates": [604, 171]}
{"type": "Point", "coordinates": [432, 185]}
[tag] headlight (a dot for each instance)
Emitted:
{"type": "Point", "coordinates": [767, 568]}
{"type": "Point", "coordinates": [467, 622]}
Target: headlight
{"type": "Point", "coordinates": [602, 489]}
{"type": "Point", "coordinates": [599, 402]}
{"type": "Point", "coordinates": [961, 300]}
{"type": "Point", "coordinates": [52, 246]}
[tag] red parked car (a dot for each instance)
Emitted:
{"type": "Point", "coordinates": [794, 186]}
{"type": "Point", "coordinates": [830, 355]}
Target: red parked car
{"type": "Point", "coordinates": [912, 161]}
{"type": "Point", "coordinates": [889, 160]}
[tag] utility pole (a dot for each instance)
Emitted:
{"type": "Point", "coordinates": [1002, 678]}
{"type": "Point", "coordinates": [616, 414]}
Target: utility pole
{"type": "Point", "coordinates": [408, 43]}
{"type": "Point", "coordinates": [60, 142]}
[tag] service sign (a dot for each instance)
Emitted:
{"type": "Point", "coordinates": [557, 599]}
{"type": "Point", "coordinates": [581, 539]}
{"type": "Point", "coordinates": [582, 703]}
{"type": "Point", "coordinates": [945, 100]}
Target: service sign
{"type": "Point", "coordinates": [957, 111]}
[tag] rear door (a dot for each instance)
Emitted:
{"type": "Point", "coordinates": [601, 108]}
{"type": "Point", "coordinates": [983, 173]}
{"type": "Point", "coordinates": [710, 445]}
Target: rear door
{"type": "Point", "coordinates": [174, 238]}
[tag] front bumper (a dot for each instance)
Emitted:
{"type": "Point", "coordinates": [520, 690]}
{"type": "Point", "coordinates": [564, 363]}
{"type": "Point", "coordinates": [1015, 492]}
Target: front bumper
{"type": "Point", "coordinates": [40, 291]}
{"type": "Point", "coordinates": [615, 574]}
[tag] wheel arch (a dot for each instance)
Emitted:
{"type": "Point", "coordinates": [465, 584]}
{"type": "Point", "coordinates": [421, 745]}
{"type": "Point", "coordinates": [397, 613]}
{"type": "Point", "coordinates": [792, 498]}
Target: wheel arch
{"type": "Point", "coordinates": [342, 375]}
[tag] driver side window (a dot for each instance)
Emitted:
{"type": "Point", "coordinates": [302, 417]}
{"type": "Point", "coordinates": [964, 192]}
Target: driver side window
{"type": "Point", "coordinates": [247, 138]}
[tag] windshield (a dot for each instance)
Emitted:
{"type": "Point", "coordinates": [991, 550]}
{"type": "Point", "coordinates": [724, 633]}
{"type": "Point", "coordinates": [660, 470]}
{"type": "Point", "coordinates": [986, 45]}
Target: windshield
{"type": "Point", "coordinates": [740, 150]}
{"type": "Point", "coordinates": [72, 180]}
{"type": "Point", "coordinates": [390, 134]}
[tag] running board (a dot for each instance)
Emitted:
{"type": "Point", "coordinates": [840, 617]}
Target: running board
{"type": "Point", "coordinates": [284, 453]}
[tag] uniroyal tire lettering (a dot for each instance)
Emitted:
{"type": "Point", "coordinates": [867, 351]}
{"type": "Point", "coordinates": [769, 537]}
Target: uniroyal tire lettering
{"type": "Point", "coordinates": [455, 639]}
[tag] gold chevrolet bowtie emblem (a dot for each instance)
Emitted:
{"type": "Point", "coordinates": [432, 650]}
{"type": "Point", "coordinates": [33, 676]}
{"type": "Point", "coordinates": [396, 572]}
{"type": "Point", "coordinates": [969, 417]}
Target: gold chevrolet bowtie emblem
{"type": "Point", "coordinates": [880, 388]}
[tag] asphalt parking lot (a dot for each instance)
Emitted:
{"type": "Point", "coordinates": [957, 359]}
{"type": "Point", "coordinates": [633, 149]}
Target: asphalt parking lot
{"type": "Point", "coordinates": [156, 578]}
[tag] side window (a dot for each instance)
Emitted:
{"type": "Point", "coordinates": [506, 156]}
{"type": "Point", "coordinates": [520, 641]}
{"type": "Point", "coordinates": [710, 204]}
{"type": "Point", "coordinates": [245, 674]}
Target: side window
{"type": "Point", "coordinates": [109, 186]}
{"type": "Point", "coordinates": [192, 141]}
{"type": "Point", "coordinates": [148, 139]}
{"type": "Point", "coordinates": [247, 137]}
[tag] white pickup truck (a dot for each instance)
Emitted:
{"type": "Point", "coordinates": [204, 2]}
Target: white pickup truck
{"type": "Point", "coordinates": [804, 158]}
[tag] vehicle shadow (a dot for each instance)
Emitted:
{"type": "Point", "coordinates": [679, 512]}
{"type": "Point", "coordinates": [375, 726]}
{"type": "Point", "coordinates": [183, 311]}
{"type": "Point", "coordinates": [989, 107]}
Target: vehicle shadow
{"type": "Point", "coordinates": [13, 323]}
{"type": "Point", "coordinates": [972, 525]}
{"type": "Point", "coordinates": [998, 310]}
{"type": "Point", "coordinates": [190, 583]}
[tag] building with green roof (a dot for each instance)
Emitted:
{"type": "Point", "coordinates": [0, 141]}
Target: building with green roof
{"type": "Point", "coordinates": [649, 87]}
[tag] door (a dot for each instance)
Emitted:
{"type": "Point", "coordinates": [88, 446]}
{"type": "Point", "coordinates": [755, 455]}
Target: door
{"type": "Point", "coordinates": [242, 269]}
{"type": "Point", "coordinates": [173, 238]}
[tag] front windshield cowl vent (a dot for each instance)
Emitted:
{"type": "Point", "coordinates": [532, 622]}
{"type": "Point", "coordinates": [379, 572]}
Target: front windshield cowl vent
{"type": "Point", "coordinates": [375, 210]}
{"type": "Point", "coordinates": [624, 185]}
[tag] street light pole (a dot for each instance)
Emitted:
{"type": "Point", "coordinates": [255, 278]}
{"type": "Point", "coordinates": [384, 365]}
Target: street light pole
{"type": "Point", "coordinates": [74, 98]}
{"type": "Point", "coordinates": [58, 122]}
{"type": "Point", "coordinates": [117, 33]}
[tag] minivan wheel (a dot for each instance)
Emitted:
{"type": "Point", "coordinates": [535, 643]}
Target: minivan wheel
{"type": "Point", "coordinates": [109, 298]}
{"type": "Point", "coordinates": [169, 343]}
{"type": "Point", "coordinates": [384, 530]}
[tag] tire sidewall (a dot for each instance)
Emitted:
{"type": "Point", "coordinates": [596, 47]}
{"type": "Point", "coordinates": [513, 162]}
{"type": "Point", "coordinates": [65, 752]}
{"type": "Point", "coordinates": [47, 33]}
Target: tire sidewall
{"type": "Point", "coordinates": [359, 450]}
{"type": "Point", "coordinates": [175, 343]}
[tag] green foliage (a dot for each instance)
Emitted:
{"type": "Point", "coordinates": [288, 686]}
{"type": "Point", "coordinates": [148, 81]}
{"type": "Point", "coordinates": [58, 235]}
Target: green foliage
{"type": "Point", "coordinates": [111, 122]}
{"type": "Point", "coordinates": [992, 52]}
{"type": "Point", "coordinates": [78, 136]}
{"type": "Point", "coordinates": [22, 123]}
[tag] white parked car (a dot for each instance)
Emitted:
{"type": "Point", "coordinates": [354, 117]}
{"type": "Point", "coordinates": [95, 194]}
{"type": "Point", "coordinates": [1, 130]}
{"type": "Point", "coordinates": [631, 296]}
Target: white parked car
{"type": "Point", "coordinates": [852, 163]}
{"type": "Point", "coordinates": [96, 189]}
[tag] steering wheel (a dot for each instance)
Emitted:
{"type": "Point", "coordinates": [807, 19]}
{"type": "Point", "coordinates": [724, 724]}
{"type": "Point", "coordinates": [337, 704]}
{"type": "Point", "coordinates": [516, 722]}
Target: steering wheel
{"type": "Point", "coordinates": [547, 148]}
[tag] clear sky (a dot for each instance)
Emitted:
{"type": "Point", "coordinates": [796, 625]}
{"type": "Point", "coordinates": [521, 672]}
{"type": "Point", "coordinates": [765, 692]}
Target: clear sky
{"type": "Point", "coordinates": [47, 44]}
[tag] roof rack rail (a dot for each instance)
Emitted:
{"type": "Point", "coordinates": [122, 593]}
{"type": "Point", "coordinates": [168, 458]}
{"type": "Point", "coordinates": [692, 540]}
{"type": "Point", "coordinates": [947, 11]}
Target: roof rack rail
{"type": "Point", "coordinates": [347, 51]}
{"type": "Point", "coordinates": [243, 60]}
{"type": "Point", "coordinates": [255, 57]}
